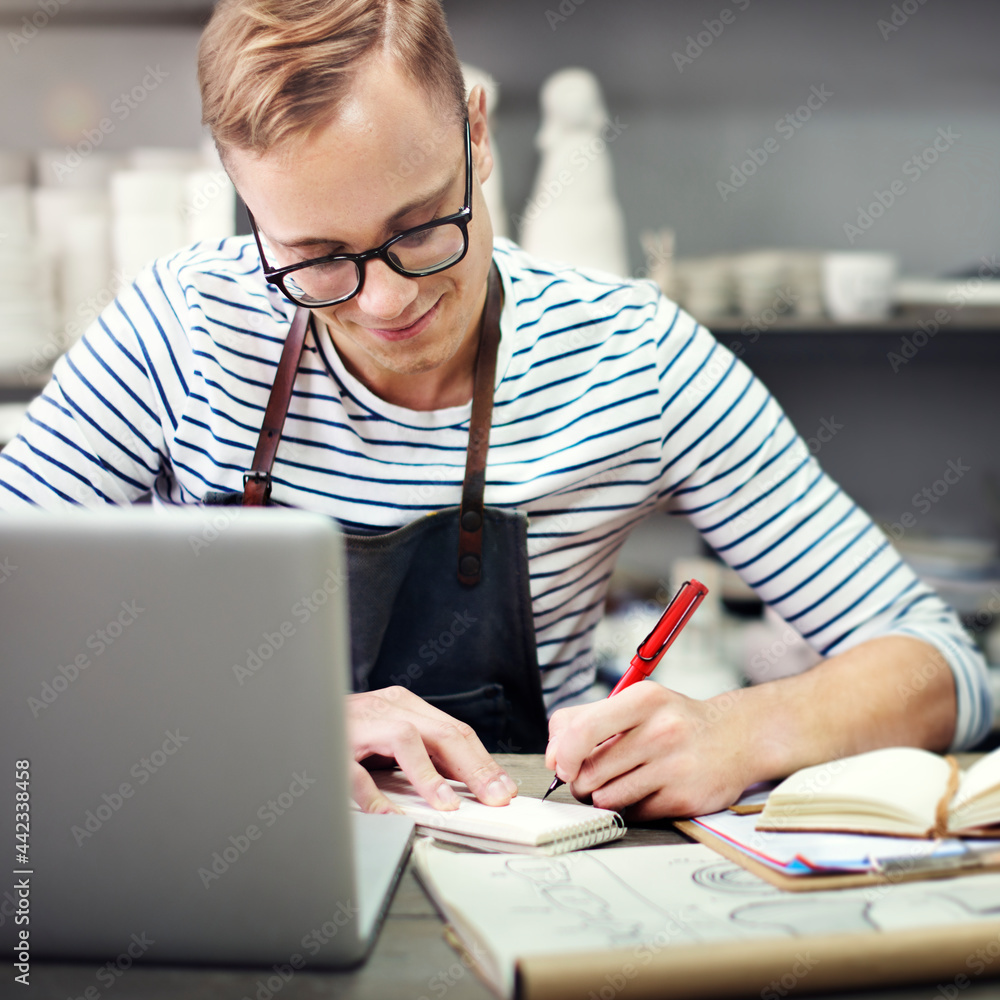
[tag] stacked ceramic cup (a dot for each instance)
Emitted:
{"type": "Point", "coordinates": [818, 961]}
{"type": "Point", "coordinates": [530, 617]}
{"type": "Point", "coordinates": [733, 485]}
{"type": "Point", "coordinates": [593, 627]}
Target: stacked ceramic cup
{"type": "Point", "coordinates": [705, 286]}
{"type": "Point", "coordinates": [761, 276]}
{"type": "Point", "coordinates": [72, 220]}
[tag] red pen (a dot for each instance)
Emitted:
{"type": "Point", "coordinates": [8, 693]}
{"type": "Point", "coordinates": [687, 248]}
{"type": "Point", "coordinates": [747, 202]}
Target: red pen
{"type": "Point", "coordinates": [675, 616]}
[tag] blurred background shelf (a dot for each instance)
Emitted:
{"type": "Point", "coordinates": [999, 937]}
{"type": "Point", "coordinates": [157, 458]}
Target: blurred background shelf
{"type": "Point", "coordinates": [111, 12]}
{"type": "Point", "coordinates": [687, 126]}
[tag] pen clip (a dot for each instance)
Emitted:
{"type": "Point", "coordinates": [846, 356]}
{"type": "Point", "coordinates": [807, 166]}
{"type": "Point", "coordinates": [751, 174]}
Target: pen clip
{"type": "Point", "coordinates": [701, 591]}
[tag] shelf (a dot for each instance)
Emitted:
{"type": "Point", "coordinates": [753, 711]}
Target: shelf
{"type": "Point", "coordinates": [111, 12]}
{"type": "Point", "coordinates": [968, 339]}
{"type": "Point", "coordinates": [970, 321]}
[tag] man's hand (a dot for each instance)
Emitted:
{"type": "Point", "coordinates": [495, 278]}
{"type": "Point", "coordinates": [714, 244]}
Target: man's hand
{"type": "Point", "coordinates": [648, 748]}
{"type": "Point", "coordinates": [663, 754]}
{"type": "Point", "coordinates": [427, 744]}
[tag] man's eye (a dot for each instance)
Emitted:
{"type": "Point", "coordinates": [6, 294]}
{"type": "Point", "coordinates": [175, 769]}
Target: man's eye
{"type": "Point", "coordinates": [419, 239]}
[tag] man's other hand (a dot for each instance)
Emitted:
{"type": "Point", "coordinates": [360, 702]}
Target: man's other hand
{"type": "Point", "coordinates": [429, 745]}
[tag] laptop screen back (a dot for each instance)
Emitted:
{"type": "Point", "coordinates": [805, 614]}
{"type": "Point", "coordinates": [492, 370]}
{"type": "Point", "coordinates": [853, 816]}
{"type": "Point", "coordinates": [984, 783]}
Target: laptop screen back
{"type": "Point", "coordinates": [173, 694]}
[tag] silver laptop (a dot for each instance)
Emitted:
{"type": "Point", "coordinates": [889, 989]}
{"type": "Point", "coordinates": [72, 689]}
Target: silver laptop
{"type": "Point", "coordinates": [175, 766]}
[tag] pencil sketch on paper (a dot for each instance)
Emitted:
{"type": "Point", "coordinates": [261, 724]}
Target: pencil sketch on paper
{"type": "Point", "coordinates": [867, 910]}
{"type": "Point", "coordinates": [724, 876]}
{"type": "Point", "coordinates": [553, 882]}
{"type": "Point", "coordinates": [724, 900]}
{"type": "Point", "coordinates": [646, 898]}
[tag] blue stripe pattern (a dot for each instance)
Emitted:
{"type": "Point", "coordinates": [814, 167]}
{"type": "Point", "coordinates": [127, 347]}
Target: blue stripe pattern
{"type": "Point", "coordinates": [611, 404]}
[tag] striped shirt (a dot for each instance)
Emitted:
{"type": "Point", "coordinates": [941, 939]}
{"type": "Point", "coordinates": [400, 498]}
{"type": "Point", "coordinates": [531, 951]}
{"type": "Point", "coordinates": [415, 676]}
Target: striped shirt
{"type": "Point", "coordinates": [611, 403]}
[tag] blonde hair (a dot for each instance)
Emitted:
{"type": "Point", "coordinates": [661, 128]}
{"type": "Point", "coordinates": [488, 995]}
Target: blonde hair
{"type": "Point", "coordinates": [273, 70]}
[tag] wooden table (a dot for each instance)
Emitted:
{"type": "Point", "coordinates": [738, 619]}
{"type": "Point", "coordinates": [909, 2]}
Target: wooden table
{"type": "Point", "coordinates": [411, 959]}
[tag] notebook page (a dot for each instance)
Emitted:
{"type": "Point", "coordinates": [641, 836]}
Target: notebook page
{"type": "Point", "coordinates": [980, 778]}
{"type": "Point", "coordinates": [895, 781]}
{"type": "Point", "coordinates": [524, 820]}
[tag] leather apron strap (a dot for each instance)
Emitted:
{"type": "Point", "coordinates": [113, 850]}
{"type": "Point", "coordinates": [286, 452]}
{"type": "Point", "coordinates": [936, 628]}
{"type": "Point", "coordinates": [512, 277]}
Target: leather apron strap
{"type": "Point", "coordinates": [470, 532]}
{"type": "Point", "coordinates": [257, 482]}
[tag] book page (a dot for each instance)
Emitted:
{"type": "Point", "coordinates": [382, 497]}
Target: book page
{"type": "Point", "coordinates": [524, 820]}
{"type": "Point", "coordinates": [892, 790]}
{"type": "Point", "coordinates": [643, 901]}
{"type": "Point", "coordinates": [972, 802]}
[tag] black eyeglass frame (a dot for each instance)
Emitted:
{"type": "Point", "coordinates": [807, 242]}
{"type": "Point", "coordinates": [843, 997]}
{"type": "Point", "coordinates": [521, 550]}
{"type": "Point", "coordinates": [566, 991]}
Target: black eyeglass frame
{"type": "Point", "coordinates": [461, 218]}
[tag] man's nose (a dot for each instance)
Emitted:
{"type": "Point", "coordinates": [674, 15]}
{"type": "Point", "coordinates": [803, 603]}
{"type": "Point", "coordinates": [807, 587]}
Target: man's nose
{"type": "Point", "coordinates": [386, 294]}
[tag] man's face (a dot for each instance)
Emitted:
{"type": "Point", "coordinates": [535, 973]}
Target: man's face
{"type": "Point", "coordinates": [390, 160]}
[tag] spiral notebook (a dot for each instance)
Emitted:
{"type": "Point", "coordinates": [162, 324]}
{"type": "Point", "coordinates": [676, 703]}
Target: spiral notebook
{"type": "Point", "coordinates": [524, 826]}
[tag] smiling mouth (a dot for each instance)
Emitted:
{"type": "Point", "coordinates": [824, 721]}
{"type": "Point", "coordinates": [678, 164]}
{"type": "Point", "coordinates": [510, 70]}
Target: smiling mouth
{"type": "Point", "coordinates": [395, 334]}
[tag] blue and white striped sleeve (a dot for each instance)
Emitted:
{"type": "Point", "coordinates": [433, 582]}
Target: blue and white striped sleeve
{"type": "Point", "coordinates": [736, 467]}
{"type": "Point", "coordinates": [95, 434]}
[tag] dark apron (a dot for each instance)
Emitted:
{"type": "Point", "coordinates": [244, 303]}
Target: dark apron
{"type": "Point", "coordinates": [441, 606]}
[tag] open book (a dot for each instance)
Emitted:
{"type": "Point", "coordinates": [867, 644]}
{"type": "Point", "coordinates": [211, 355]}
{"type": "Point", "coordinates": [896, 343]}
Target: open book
{"type": "Point", "coordinates": [900, 791]}
{"type": "Point", "coordinates": [525, 826]}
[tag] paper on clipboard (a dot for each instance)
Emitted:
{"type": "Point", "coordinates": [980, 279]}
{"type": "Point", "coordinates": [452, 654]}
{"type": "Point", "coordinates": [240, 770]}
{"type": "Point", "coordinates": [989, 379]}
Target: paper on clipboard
{"type": "Point", "coordinates": [807, 853]}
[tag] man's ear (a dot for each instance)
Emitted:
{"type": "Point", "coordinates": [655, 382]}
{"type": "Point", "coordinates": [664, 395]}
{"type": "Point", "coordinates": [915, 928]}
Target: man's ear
{"type": "Point", "coordinates": [482, 155]}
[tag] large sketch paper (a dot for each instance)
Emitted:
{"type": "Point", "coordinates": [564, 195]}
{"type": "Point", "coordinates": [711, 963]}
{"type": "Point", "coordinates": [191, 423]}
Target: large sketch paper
{"type": "Point", "coordinates": [642, 904]}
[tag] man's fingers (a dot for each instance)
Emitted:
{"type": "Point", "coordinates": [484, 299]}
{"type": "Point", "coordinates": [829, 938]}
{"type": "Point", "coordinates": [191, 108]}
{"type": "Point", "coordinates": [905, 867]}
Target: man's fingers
{"type": "Point", "coordinates": [461, 755]}
{"type": "Point", "coordinates": [428, 745]}
{"type": "Point", "coordinates": [577, 733]}
{"type": "Point", "coordinates": [365, 792]}
{"type": "Point", "coordinates": [401, 740]}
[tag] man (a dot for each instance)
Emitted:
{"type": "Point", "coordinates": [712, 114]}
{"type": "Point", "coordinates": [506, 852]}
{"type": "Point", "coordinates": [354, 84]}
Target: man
{"type": "Point", "coordinates": [345, 127]}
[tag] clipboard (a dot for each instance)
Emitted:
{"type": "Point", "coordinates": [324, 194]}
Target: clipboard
{"type": "Point", "coordinates": [748, 968]}
{"type": "Point", "coordinates": [908, 870]}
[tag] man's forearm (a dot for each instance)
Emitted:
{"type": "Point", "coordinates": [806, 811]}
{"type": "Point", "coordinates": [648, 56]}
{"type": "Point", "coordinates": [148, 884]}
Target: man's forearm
{"type": "Point", "coordinates": [889, 691]}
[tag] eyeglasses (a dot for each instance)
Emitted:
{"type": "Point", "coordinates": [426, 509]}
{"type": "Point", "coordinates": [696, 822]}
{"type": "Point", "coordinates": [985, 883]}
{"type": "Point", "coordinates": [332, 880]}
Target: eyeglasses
{"type": "Point", "coordinates": [423, 250]}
